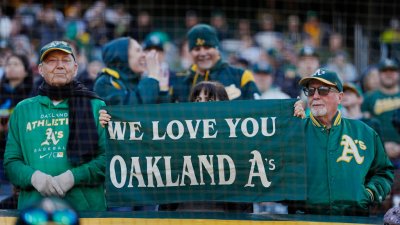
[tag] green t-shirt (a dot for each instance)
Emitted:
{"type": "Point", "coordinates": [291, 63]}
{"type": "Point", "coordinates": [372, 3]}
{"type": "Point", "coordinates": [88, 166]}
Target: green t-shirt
{"type": "Point", "coordinates": [382, 107]}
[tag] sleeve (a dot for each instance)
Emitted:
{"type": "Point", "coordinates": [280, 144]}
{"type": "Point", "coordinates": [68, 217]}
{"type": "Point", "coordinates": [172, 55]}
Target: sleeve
{"type": "Point", "coordinates": [149, 92]}
{"type": "Point", "coordinates": [381, 173]}
{"type": "Point", "coordinates": [93, 172]}
{"type": "Point", "coordinates": [17, 171]}
{"type": "Point", "coordinates": [110, 90]}
{"type": "Point", "coordinates": [248, 86]}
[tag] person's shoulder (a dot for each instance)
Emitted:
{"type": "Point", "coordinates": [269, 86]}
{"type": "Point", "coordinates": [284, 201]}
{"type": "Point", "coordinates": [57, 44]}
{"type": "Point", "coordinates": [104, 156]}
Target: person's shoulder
{"type": "Point", "coordinates": [28, 101]}
{"type": "Point", "coordinates": [356, 123]}
{"type": "Point", "coordinates": [97, 102]}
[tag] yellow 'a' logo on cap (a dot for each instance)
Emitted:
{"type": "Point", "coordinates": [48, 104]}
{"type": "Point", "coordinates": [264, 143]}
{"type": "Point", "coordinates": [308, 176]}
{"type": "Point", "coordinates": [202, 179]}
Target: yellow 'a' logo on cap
{"type": "Point", "coordinates": [200, 41]}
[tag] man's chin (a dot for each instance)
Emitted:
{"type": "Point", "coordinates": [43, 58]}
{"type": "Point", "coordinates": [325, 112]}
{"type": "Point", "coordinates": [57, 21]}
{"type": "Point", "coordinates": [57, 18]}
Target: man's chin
{"type": "Point", "coordinates": [318, 112]}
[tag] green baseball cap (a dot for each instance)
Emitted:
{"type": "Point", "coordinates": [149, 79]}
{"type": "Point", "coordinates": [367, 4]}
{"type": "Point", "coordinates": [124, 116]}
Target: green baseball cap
{"type": "Point", "coordinates": [202, 35]}
{"type": "Point", "coordinates": [325, 76]}
{"type": "Point", "coordinates": [352, 87]}
{"type": "Point", "coordinates": [388, 64]}
{"type": "Point", "coordinates": [53, 46]}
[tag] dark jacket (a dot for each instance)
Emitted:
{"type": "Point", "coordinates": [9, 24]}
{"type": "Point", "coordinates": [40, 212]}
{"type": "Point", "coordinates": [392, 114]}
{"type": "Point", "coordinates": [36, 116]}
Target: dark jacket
{"type": "Point", "coordinates": [239, 83]}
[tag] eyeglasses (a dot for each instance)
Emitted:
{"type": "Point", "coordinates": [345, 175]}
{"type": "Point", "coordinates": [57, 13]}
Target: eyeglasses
{"type": "Point", "coordinates": [323, 91]}
{"type": "Point", "coordinates": [37, 216]}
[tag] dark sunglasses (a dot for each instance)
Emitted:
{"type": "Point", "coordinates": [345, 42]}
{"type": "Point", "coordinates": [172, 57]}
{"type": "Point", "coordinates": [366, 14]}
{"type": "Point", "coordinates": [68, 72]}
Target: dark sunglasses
{"type": "Point", "coordinates": [37, 216]}
{"type": "Point", "coordinates": [323, 91]}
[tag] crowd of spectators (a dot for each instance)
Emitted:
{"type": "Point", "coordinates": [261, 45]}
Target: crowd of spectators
{"type": "Point", "coordinates": [279, 58]}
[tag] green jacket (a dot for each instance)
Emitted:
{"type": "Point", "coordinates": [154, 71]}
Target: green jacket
{"type": "Point", "coordinates": [239, 83]}
{"type": "Point", "coordinates": [37, 140]}
{"type": "Point", "coordinates": [347, 167]}
{"type": "Point", "coordinates": [119, 85]}
{"type": "Point", "coordinates": [382, 107]}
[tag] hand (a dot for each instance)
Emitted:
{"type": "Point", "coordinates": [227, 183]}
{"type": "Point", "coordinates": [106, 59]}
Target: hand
{"type": "Point", "coordinates": [153, 65]}
{"type": "Point", "coordinates": [104, 117]}
{"type": "Point", "coordinates": [66, 180]}
{"type": "Point", "coordinates": [45, 184]}
{"type": "Point", "coordinates": [164, 77]}
{"type": "Point", "coordinates": [299, 109]}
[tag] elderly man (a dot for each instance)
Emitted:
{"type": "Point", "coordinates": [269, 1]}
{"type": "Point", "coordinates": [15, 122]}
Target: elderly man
{"type": "Point", "coordinates": [347, 166]}
{"type": "Point", "coordinates": [208, 66]}
{"type": "Point", "coordinates": [55, 145]}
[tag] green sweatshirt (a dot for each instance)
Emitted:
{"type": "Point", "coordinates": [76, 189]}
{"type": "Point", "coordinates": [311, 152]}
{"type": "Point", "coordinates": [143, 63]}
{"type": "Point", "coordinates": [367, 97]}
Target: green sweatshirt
{"type": "Point", "coordinates": [37, 140]}
{"type": "Point", "coordinates": [348, 168]}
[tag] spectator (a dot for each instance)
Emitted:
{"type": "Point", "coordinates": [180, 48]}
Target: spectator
{"type": "Point", "coordinates": [352, 100]}
{"type": "Point", "coordinates": [157, 41]}
{"type": "Point", "coordinates": [143, 27]}
{"type": "Point", "coordinates": [343, 67]}
{"type": "Point", "coordinates": [308, 62]}
{"type": "Point", "coordinates": [317, 31]}
{"type": "Point", "coordinates": [49, 25]}
{"type": "Point", "coordinates": [335, 47]}
{"type": "Point", "coordinates": [89, 75]}
{"type": "Point", "coordinates": [293, 35]}
{"type": "Point", "coordinates": [65, 157]}
{"type": "Point", "coordinates": [264, 78]}
{"type": "Point", "coordinates": [208, 66]}
{"type": "Point", "coordinates": [15, 86]}
{"type": "Point", "coordinates": [390, 40]}
{"type": "Point", "coordinates": [218, 21]}
{"type": "Point", "coordinates": [267, 36]}
{"type": "Point", "coordinates": [342, 152]}
{"type": "Point", "coordinates": [100, 31]}
{"type": "Point", "coordinates": [207, 91]}
{"type": "Point", "coordinates": [370, 80]}
{"type": "Point", "coordinates": [382, 103]}
{"type": "Point", "coordinates": [120, 82]}
{"type": "Point", "coordinates": [120, 19]}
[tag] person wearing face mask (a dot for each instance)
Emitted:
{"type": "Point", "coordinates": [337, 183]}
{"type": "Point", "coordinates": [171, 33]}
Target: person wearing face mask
{"type": "Point", "coordinates": [348, 169]}
{"type": "Point", "coordinates": [209, 66]}
{"type": "Point", "coordinates": [122, 83]}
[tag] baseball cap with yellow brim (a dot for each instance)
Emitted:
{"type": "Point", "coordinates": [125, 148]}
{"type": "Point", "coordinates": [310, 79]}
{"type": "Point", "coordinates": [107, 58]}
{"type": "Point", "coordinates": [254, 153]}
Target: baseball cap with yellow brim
{"type": "Point", "coordinates": [353, 88]}
{"type": "Point", "coordinates": [55, 46]}
{"type": "Point", "coordinates": [325, 76]}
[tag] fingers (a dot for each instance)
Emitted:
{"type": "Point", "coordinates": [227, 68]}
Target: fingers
{"type": "Point", "coordinates": [56, 188]}
{"type": "Point", "coordinates": [104, 117]}
{"type": "Point", "coordinates": [299, 110]}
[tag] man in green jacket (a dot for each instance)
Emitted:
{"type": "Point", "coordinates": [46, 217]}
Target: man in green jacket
{"type": "Point", "coordinates": [208, 66]}
{"type": "Point", "coordinates": [348, 169]}
{"type": "Point", "coordinates": [55, 145]}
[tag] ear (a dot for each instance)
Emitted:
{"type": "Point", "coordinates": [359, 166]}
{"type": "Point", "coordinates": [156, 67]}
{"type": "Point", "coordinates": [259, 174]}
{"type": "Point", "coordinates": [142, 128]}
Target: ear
{"type": "Point", "coordinates": [40, 67]}
{"type": "Point", "coordinates": [76, 69]}
{"type": "Point", "coordinates": [340, 97]}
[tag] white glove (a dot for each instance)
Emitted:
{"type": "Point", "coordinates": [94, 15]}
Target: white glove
{"type": "Point", "coordinates": [45, 184]}
{"type": "Point", "coordinates": [66, 180]}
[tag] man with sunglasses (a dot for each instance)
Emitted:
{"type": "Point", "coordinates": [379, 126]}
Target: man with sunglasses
{"type": "Point", "coordinates": [348, 169]}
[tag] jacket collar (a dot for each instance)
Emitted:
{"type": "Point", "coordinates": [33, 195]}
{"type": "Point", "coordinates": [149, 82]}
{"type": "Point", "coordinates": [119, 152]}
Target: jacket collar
{"type": "Point", "coordinates": [337, 119]}
{"type": "Point", "coordinates": [220, 64]}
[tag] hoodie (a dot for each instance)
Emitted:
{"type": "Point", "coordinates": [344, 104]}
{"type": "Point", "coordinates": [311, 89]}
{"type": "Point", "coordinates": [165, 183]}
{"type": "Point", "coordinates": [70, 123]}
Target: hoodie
{"type": "Point", "coordinates": [117, 84]}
